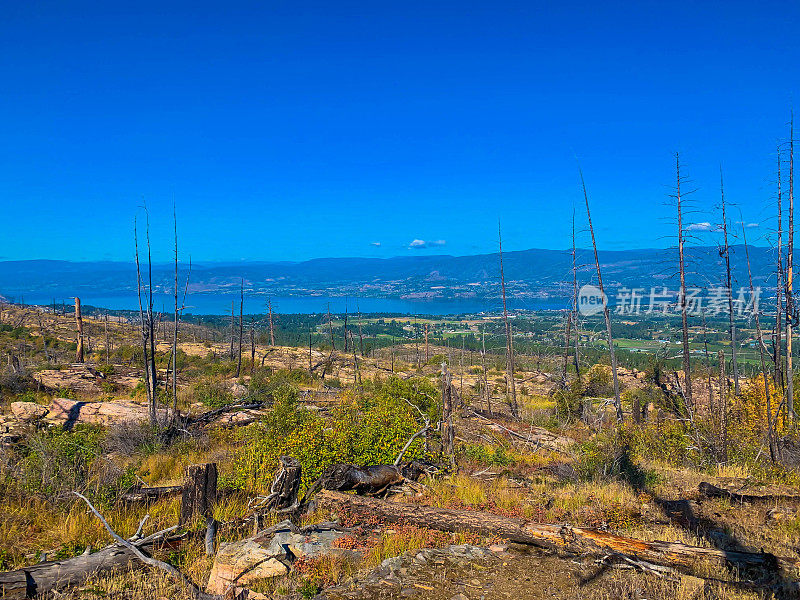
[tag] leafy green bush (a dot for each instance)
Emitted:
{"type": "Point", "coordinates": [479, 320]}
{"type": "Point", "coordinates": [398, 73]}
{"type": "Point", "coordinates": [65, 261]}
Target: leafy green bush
{"type": "Point", "coordinates": [57, 461]}
{"type": "Point", "coordinates": [569, 400]}
{"type": "Point", "coordinates": [215, 394]}
{"type": "Point", "coordinates": [597, 381]}
{"type": "Point", "coordinates": [366, 431]}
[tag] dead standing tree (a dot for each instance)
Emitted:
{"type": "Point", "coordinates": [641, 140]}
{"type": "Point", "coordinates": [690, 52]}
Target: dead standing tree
{"type": "Point", "coordinates": [687, 373]}
{"type": "Point", "coordinates": [761, 349]}
{"type": "Point", "coordinates": [725, 251]}
{"type": "Point", "coordinates": [777, 350]}
{"type": "Point", "coordinates": [448, 402]}
{"type": "Point", "coordinates": [147, 331]}
{"type": "Point", "coordinates": [241, 328]}
{"type": "Point", "coordinates": [572, 315]}
{"type": "Point", "coordinates": [175, 324]}
{"type": "Point", "coordinates": [79, 329]}
{"type": "Point", "coordinates": [271, 325]}
{"type": "Point", "coordinates": [511, 389]}
{"type": "Point", "coordinates": [232, 334]}
{"type": "Point", "coordinates": [790, 309]}
{"type": "Point", "coordinates": [606, 313]}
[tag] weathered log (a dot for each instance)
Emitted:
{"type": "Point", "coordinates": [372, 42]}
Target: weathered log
{"type": "Point", "coordinates": [150, 494]}
{"type": "Point", "coordinates": [574, 540]}
{"type": "Point", "coordinates": [369, 479]}
{"type": "Point", "coordinates": [211, 415]}
{"type": "Point", "coordinates": [710, 490]}
{"type": "Point", "coordinates": [199, 492]}
{"type": "Point", "coordinates": [44, 577]}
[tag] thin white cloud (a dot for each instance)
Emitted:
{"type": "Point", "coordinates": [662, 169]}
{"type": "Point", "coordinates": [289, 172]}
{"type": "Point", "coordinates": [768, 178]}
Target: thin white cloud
{"type": "Point", "coordinates": [751, 225]}
{"type": "Point", "coordinates": [704, 226]}
{"type": "Point", "coordinates": [376, 244]}
{"type": "Point", "coordinates": [418, 244]}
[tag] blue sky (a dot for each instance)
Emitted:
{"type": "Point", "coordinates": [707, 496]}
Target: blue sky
{"type": "Point", "coordinates": [291, 130]}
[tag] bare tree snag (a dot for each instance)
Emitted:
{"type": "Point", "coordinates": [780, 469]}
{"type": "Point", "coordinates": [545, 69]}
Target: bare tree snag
{"type": "Point", "coordinates": [777, 344]}
{"type": "Point", "coordinates": [252, 346]}
{"type": "Point", "coordinates": [687, 365]}
{"type": "Point", "coordinates": [729, 283]}
{"type": "Point", "coordinates": [241, 329]}
{"type": "Point", "coordinates": [761, 349]}
{"type": "Point", "coordinates": [723, 406]}
{"type": "Point", "coordinates": [79, 329]}
{"type": "Point", "coordinates": [271, 325]}
{"type": "Point", "coordinates": [574, 540]}
{"type": "Point", "coordinates": [511, 389]}
{"type": "Point", "coordinates": [575, 299]}
{"type": "Point", "coordinates": [330, 328]}
{"type": "Point", "coordinates": [232, 335]}
{"type": "Point", "coordinates": [199, 492]}
{"type": "Point", "coordinates": [486, 389]}
{"type": "Point", "coordinates": [175, 324]}
{"type": "Point", "coordinates": [146, 331]}
{"type": "Point", "coordinates": [108, 345]}
{"type": "Point", "coordinates": [151, 334]}
{"type": "Point", "coordinates": [344, 328]}
{"type": "Point", "coordinates": [606, 313]}
{"type": "Point", "coordinates": [448, 434]}
{"type": "Point", "coordinates": [790, 309]}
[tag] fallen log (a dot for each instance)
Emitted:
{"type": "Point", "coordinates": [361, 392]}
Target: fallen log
{"type": "Point", "coordinates": [367, 479]}
{"type": "Point", "coordinates": [710, 490]}
{"type": "Point", "coordinates": [150, 494]}
{"type": "Point", "coordinates": [574, 540]}
{"type": "Point", "coordinates": [45, 577]}
{"type": "Point", "coordinates": [211, 415]}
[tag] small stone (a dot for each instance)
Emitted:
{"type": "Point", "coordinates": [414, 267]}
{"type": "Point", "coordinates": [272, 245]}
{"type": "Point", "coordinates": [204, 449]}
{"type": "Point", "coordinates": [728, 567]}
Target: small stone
{"type": "Point", "coordinates": [460, 596]}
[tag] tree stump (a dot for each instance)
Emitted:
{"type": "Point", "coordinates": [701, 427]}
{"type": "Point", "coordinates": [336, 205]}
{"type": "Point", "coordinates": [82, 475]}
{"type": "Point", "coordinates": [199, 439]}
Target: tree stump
{"type": "Point", "coordinates": [199, 492]}
{"type": "Point", "coordinates": [283, 492]}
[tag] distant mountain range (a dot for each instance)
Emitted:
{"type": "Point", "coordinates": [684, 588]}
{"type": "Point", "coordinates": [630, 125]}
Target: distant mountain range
{"type": "Point", "coordinates": [534, 273]}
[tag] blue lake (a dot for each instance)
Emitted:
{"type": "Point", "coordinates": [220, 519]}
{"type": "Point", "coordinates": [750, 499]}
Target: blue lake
{"type": "Point", "coordinates": [219, 304]}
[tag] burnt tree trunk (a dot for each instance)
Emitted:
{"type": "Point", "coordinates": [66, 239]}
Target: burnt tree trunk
{"type": "Point", "coordinates": [199, 492]}
{"type": "Point", "coordinates": [283, 492]}
{"type": "Point", "coordinates": [447, 431]}
{"type": "Point", "coordinates": [79, 329]}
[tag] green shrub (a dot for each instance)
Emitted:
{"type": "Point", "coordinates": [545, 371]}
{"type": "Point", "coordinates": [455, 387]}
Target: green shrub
{"type": "Point", "coordinates": [367, 431]}
{"type": "Point", "coordinates": [57, 461]}
{"type": "Point", "coordinates": [215, 394]}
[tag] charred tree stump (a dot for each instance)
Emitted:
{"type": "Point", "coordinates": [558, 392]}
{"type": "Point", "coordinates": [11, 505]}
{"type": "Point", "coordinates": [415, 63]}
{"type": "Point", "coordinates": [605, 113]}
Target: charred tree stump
{"type": "Point", "coordinates": [283, 492]}
{"type": "Point", "coordinates": [199, 492]}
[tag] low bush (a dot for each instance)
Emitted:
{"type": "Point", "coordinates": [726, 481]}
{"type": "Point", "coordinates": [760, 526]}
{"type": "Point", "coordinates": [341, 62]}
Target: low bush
{"type": "Point", "coordinates": [371, 429]}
